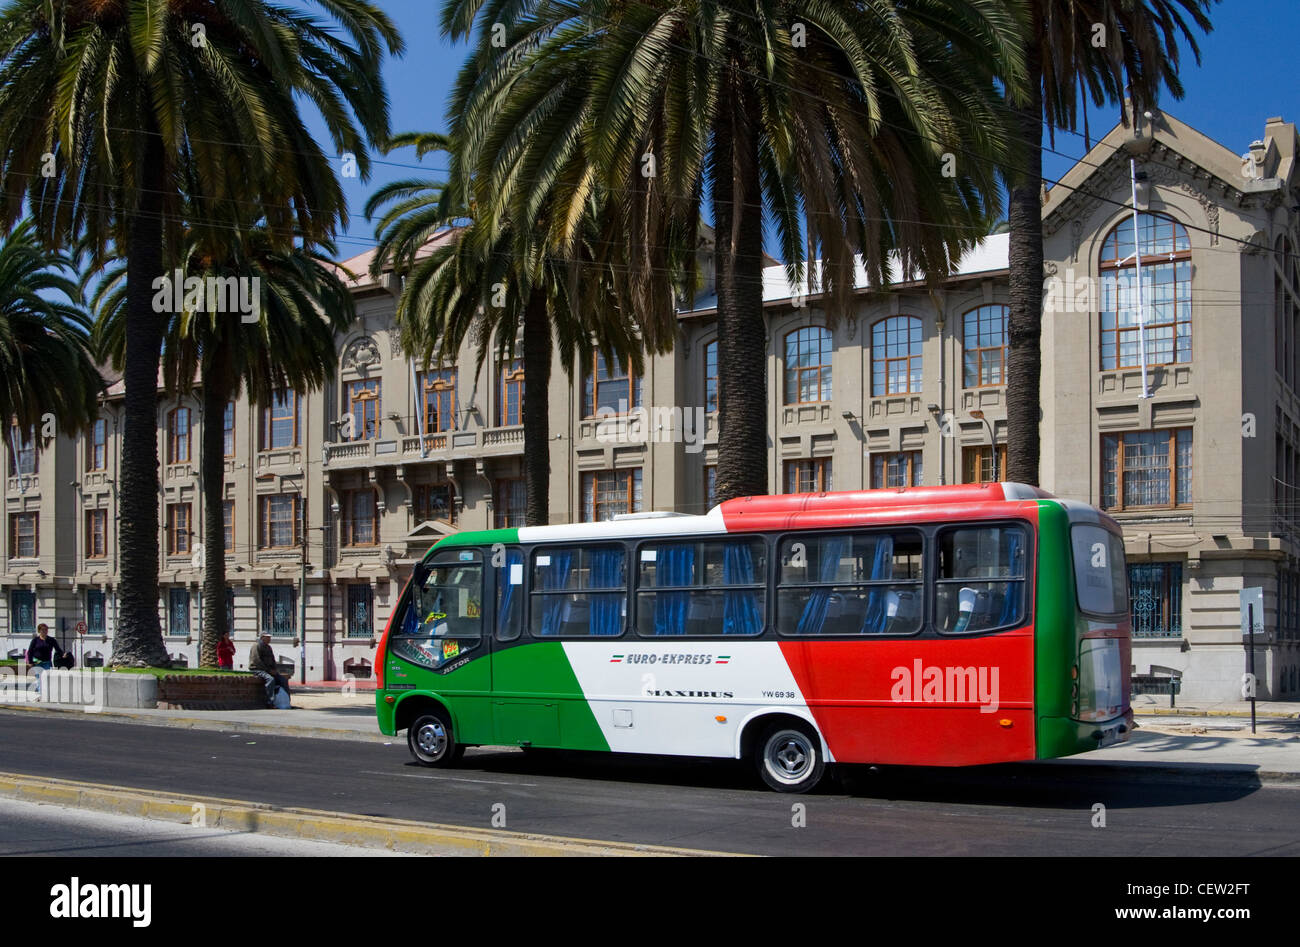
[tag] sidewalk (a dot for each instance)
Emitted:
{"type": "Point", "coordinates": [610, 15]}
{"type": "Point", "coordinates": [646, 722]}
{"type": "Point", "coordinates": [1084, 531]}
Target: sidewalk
{"type": "Point", "coordinates": [1201, 740]}
{"type": "Point", "coordinates": [1158, 705]}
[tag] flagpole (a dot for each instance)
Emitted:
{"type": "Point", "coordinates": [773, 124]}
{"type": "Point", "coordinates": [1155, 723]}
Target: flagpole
{"type": "Point", "coordinates": [1137, 255]}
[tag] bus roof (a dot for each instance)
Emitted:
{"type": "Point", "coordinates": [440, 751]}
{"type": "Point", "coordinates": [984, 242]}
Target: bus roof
{"type": "Point", "coordinates": [783, 511]}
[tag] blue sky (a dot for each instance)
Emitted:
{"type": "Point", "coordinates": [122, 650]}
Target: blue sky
{"type": "Point", "coordinates": [1246, 75]}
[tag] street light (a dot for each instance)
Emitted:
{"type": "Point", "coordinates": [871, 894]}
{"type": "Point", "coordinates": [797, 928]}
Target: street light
{"type": "Point", "coordinates": [993, 441]}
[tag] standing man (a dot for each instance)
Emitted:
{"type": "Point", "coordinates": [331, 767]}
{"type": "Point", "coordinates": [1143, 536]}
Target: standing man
{"type": "Point", "coordinates": [41, 652]}
{"type": "Point", "coordinates": [261, 661]}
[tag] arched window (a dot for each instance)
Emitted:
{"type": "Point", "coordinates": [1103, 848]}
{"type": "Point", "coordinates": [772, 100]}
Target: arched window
{"type": "Point", "coordinates": [1166, 299]}
{"type": "Point", "coordinates": [896, 356]}
{"type": "Point", "coordinates": [984, 338]}
{"type": "Point", "coordinates": [807, 365]}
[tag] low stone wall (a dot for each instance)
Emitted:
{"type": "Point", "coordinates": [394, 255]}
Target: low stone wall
{"type": "Point", "coordinates": [215, 692]}
{"type": "Point", "coordinates": [94, 690]}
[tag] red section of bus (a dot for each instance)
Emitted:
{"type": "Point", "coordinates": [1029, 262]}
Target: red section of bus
{"type": "Point", "coordinates": [911, 702]}
{"type": "Point", "coordinates": [876, 507]}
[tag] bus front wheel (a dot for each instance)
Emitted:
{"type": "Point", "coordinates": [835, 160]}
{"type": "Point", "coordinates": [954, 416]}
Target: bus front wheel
{"type": "Point", "coordinates": [789, 758]}
{"type": "Point", "coordinates": [431, 741]}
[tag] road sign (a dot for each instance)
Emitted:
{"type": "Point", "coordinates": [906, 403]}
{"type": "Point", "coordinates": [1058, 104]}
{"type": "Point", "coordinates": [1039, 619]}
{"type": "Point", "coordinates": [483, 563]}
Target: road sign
{"type": "Point", "coordinates": [1249, 597]}
{"type": "Point", "coordinates": [80, 627]}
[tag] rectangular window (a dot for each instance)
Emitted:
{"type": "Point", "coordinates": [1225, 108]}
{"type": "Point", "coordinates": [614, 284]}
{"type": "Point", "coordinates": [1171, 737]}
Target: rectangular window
{"type": "Point", "coordinates": [230, 610]}
{"type": "Point", "coordinates": [228, 430]}
{"type": "Point", "coordinates": [510, 408]}
{"type": "Point", "coordinates": [361, 612]}
{"type": "Point", "coordinates": [711, 377]}
{"type": "Point", "coordinates": [896, 470]}
{"type": "Point", "coordinates": [360, 518]}
{"type": "Point", "coordinates": [1100, 580]}
{"type": "Point", "coordinates": [704, 588]}
{"type": "Point", "coordinates": [281, 521]}
{"type": "Point", "coordinates": [22, 452]}
{"type": "Point", "coordinates": [281, 421]}
{"type": "Point", "coordinates": [609, 492]}
{"type": "Point", "coordinates": [279, 615]}
{"type": "Point", "coordinates": [24, 536]}
{"type": "Point", "coordinates": [22, 612]}
{"type": "Point", "coordinates": [365, 408]}
{"type": "Point", "coordinates": [178, 436]}
{"type": "Point", "coordinates": [1156, 599]}
{"type": "Point", "coordinates": [434, 501]}
{"type": "Point", "coordinates": [808, 476]}
{"type": "Point", "coordinates": [96, 622]}
{"type": "Point", "coordinates": [228, 524]}
{"type": "Point", "coordinates": [1146, 470]}
{"type": "Point", "coordinates": [977, 464]}
{"type": "Point", "coordinates": [849, 584]}
{"type": "Point", "coordinates": [178, 529]}
{"type": "Point", "coordinates": [510, 504]}
{"type": "Point", "coordinates": [610, 389]}
{"type": "Point", "coordinates": [97, 446]}
{"type": "Point", "coordinates": [96, 534]}
{"type": "Point", "coordinates": [439, 390]}
{"type": "Point", "coordinates": [981, 580]}
{"type": "Point", "coordinates": [710, 486]}
{"type": "Point", "coordinates": [178, 612]}
{"type": "Point", "coordinates": [579, 590]}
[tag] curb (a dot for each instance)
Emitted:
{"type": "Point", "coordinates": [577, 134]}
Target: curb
{"type": "Point", "coordinates": [1241, 714]}
{"type": "Point", "coordinates": [1182, 773]}
{"type": "Point", "coordinates": [397, 835]}
{"type": "Point", "coordinates": [200, 723]}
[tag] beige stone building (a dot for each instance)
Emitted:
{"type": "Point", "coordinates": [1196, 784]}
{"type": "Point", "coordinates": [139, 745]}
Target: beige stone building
{"type": "Point", "coordinates": [1199, 462]}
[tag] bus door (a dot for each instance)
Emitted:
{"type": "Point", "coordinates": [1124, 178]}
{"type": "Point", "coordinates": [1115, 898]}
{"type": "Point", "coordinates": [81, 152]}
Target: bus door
{"type": "Point", "coordinates": [525, 711]}
{"type": "Point", "coordinates": [448, 637]}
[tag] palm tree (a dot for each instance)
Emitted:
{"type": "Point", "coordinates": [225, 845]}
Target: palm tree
{"type": "Point", "coordinates": [498, 287]}
{"type": "Point", "coordinates": [865, 129]}
{"type": "Point", "coordinates": [106, 111]}
{"type": "Point", "coordinates": [1140, 51]}
{"type": "Point", "coordinates": [304, 304]}
{"type": "Point", "coordinates": [45, 363]}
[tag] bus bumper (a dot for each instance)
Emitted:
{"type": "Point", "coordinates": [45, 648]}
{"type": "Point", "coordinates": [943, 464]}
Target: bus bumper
{"type": "Point", "coordinates": [1062, 736]}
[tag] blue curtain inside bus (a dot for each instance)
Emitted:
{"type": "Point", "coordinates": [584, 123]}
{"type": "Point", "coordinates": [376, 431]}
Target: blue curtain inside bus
{"type": "Point", "coordinates": [740, 612]}
{"type": "Point", "coordinates": [1011, 590]}
{"type": "Point", "coordinates": [555, 577]}
{"type": "Point", "coordinates": [814, 611]}
{"type": "Point", "coordinates": [674, 566]}
{"type": "Point", "coordinates": [882, 567]}
{"type": "Point", "coordinates": [509, 599]}
{"type": "Point", "coordinates": [607, 573]}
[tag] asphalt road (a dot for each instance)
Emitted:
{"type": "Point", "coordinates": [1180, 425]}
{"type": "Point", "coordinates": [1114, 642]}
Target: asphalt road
{"type": "Point", "coordinates": [27, 829]}
{"type": "Point", "coordinates": [715, 805]}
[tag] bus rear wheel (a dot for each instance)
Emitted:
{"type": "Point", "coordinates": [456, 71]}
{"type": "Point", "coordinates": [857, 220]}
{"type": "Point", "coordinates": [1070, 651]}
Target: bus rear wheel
{"type": "Point", "coordinates": [790, 759]}
{"type": "Point", "coordinates": [431, 741]}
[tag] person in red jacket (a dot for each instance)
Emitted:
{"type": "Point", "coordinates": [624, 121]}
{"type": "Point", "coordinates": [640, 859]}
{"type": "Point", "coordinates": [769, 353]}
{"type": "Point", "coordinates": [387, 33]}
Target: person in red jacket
{"type": "Point", "coordinates": [226, 652]}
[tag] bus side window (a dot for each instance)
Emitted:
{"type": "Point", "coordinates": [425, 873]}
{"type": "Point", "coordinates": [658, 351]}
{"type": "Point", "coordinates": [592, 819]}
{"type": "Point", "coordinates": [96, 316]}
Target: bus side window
{"type": "Point", "coordinates": [510, 595]}
{"type": "Point", "coordinates": [981, 581]}
{"type": "Point", "coordinates": [579, 590]}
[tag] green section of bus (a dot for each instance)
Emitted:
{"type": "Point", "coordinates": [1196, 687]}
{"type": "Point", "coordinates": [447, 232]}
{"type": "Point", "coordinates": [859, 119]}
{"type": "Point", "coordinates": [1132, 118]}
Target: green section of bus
{"type": "Point", "coordinates": [1054, 643]}
{"type": "Point", "coordinates": [485, 537]}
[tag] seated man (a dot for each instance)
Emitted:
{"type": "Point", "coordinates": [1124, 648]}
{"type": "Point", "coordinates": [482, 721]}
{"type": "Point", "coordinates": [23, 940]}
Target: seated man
{"type": "Point", "coordinates": [261, 661]}
{"type": "Point", "coordinates": [42, 652]}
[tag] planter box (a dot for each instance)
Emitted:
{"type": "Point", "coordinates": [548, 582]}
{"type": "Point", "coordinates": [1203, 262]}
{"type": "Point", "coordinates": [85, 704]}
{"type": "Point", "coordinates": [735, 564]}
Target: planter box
{"type": "Point", "coordinates": [94, 690]}
{"type": "Point", "coordinates": [218, 692]}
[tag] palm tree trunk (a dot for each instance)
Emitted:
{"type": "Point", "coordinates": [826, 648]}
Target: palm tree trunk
{"type": "Point", "coordinates": [138, 639]}
{"type": "Point", "coordinates": [742, 329]}
{"type": "Point", "coordinates": [1025, 264]}
{"type": "Point", "coordinates": [214, 531]}
{"type": "Point", "coordinates": [537, 428]}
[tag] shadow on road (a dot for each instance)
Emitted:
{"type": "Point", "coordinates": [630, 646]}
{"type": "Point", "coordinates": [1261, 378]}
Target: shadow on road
{"type": "Point", "coordinates": [1047, 785]}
